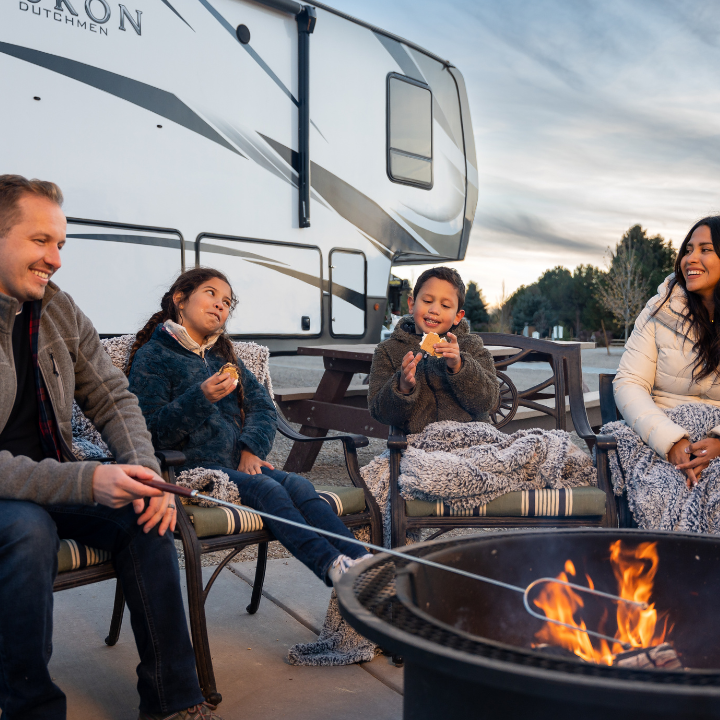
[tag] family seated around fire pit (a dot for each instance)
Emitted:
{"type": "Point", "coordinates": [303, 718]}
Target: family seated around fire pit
{"type": "Point", "coordinates": [667, 390]}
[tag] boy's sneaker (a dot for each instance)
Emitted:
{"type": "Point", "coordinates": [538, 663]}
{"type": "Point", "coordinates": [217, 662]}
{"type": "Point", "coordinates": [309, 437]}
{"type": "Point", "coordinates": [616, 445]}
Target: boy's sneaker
{"type": "Point", "coordinates": [196, 712]}
{"type": "Point", "coordinates": [341, 565]}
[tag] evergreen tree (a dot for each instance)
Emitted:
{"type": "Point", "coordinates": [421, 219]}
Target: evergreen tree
{"type": "Point", "coordinates": [476, 307]}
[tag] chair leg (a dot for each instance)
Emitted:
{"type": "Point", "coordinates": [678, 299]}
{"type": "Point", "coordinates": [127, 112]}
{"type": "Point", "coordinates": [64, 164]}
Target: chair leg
{"type": "Point", "coordinates": [260, 568]}
{"type": "Point", "coordinates": [196, 606]}
{"type": "Point", "coordinates": [117, 616]}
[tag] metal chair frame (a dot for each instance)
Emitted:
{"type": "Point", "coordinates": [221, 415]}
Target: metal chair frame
{"type": "Point", "coordinates": [566, 381]}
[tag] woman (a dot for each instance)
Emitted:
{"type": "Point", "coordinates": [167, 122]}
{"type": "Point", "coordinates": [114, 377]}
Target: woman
{"type": "Point", "coordinates": [673, 355]}
{"type": "Point", "coordinates": [222, 423]}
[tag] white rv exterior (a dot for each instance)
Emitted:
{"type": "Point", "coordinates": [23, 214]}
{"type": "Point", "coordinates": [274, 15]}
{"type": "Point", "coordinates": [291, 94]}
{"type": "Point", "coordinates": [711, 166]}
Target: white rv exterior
{"type": "Point", "coordinates": [176, 143]}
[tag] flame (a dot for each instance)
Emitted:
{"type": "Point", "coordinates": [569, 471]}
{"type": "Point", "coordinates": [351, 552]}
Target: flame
{"type": "Point", "coordinates": [634, 570]}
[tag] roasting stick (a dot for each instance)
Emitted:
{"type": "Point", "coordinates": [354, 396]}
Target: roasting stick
{"type": "Point", "coordinates": [187, 492]}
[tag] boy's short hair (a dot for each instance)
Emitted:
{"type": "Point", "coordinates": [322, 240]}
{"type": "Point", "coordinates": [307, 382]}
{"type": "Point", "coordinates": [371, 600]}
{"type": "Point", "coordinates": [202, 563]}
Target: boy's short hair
{"type": "Point", "coordinates": [12, 188]}
{"type": "Point", "coordinates": [450, 275]}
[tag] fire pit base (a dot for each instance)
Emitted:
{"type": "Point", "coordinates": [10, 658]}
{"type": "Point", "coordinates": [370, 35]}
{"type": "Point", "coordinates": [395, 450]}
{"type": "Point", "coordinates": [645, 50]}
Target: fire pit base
{"type": "Point", "coordinates": [467, 645]}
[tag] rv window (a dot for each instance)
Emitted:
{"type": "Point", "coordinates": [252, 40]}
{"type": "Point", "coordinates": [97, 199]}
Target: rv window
{"type": "Point", "coordinates": [409, 132]}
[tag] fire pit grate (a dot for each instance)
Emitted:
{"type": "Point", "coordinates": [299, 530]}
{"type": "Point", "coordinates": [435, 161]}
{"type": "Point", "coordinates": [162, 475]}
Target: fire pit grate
{"type": "Point", "coordinates": [374, 588]}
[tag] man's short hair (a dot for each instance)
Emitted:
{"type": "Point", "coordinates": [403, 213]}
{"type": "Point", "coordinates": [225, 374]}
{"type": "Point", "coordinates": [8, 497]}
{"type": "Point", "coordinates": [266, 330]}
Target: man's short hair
{"type": "Point", "coordinates": [12, 188]}
{"type": "Point", "coordinates": [450, 275]}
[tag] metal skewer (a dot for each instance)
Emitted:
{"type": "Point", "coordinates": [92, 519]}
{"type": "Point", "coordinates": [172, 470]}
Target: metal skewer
{"type": "Point", "coordinates": [187, 492]}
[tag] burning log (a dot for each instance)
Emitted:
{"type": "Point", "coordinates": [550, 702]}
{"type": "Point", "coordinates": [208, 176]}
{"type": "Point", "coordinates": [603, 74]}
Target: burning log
{"type": "Point", "coordinates": [660, 657]}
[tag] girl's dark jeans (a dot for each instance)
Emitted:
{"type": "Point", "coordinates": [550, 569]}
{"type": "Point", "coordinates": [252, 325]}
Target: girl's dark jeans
{"type": "Point", "coordinates": [147, 567]}
{"type": "Point", "coordinates": [293, 497]}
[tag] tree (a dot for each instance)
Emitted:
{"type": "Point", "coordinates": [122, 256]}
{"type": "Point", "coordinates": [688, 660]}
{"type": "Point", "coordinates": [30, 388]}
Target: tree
{"type": "Point", "coordinates": [556, 286]}
{"type": "Point", "coordinates": [533, 308]}
{"type": "Point", "coordinates": [655, 255]}
{"type": "Point", "coordinates": [500, 317]}
{"type": "Point", "coordinates": [624, 289]}
{"type": "Point", "coordinates": [587, 310]}
{"type": "Point", "coordinates": [476, 307]}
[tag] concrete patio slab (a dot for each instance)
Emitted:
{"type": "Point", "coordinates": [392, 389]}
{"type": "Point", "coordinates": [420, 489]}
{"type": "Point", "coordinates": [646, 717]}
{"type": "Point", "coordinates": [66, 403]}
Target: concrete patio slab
{"type": "Point", "coordinates": [248, 652]}
{"type": "Point", "coordinates": [294, 588]}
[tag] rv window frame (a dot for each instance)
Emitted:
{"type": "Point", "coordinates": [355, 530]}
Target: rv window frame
{"type": "Point", "coordinates": [260, 241]}
{"type": "Point", "coordinates": [388, 148]}
{"type": "Point", "coordinates": [349, 251]}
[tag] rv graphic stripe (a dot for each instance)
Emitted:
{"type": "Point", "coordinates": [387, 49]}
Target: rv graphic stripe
{"type": "Point", "coordinates": [138, 93]}
{"type": "Point", "coordinates": [134, 239]}
{"type": "Point", "coordinates": [250, 50]}
{"type": "Point", "coordinates": [179, 15]}
{"type": "Point", "coordinates": [350, 296]}
{"type": "Point", "coordinates": [351, 204]}
{"type": "Point", "coordinates": [220, 250]}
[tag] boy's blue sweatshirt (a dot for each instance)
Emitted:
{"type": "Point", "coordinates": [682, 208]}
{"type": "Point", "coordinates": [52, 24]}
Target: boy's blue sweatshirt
{"type": "Point", "coordinates": [166, 379]}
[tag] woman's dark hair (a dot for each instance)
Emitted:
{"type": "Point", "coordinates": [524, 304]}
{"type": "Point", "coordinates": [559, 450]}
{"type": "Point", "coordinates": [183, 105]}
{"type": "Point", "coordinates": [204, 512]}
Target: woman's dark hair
{"type": "Point", "coordinates": [707, 345]}
{"type": "Point", "coordinates": [442, 273]}
{"type": "Point", "coordinates": [186, 284]}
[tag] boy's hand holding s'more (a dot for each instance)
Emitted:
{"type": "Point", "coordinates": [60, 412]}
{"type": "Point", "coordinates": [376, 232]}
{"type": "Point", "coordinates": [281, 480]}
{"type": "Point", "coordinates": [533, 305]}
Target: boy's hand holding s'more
{"type": "Point", "coordinates": [450, 350]}
{"type": "Point", "coordinates": [407, 381]}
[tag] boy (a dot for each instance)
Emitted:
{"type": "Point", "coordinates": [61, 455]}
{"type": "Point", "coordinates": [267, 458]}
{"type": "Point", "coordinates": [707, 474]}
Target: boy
{"type": "Point", "coordinates": [411, 389]}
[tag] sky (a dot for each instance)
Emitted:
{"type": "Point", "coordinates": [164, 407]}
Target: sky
{"type": "Point", "coordinates": [589, 116]}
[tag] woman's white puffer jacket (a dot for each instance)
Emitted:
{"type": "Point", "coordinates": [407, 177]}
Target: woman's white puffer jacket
{"type": "Point", "coordinates": [656, 372]}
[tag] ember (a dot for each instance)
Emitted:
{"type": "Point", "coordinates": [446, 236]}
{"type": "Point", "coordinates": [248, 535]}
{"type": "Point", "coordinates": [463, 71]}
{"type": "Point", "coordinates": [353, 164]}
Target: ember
{"type": "Point", "coordinates": [634, 570]}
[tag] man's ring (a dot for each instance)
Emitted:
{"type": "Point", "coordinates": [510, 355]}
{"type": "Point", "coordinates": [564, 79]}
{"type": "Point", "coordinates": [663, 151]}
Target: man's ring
{"type": "Point", "coordinates": [171, 507]}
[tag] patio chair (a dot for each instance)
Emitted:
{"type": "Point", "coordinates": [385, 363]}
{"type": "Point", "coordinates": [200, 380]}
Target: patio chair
{"type": "Point", "coordinates": [205, 530]}
{"type": "Point", "coordinates": [572, 507]}
{"type": "Point", "coordinates": [605, 443]}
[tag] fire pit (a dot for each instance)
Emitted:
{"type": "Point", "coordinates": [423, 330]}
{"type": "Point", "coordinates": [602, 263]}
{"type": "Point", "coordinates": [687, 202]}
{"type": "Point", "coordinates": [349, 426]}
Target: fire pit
{"type": "Point", "coordinates": [472, 650]}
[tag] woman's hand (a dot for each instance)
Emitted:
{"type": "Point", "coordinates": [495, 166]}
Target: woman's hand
{"type": "Point", "coordinates": [251, 464]}
{"type": "Point", "coordinates": [704, 451]}
{"type": "Point", "coordinates": [407, 381]}
{"type": "Point", "coordinates": [450, 350]}
{"type": "Point", "coordinates": [217, 386]}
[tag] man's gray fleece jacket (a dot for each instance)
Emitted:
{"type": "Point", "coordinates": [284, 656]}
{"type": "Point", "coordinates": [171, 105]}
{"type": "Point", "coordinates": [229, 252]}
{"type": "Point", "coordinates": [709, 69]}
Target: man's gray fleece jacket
{"type": "Point", "coordinates": [74, 365]}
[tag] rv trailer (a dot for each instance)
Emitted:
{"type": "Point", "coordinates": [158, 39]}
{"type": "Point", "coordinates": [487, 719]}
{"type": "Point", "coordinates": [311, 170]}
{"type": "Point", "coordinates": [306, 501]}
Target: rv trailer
{"type": "Point", "coordinates": [297, 149]}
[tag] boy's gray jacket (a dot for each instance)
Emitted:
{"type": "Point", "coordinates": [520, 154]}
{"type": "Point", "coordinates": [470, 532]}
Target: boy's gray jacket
{"type": "Point", "coordinates": [74, 365]}
{"type": "Point", "coordinates": [465, 396]}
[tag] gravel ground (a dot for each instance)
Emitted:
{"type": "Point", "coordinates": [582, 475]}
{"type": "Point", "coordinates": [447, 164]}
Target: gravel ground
{"type": "Point", "coordinates": [329, 468]}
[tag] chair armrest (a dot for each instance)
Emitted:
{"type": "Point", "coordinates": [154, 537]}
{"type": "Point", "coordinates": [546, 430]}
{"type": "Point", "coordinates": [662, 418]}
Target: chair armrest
{"type": "Point", "coordinates": [355, 441]}
{"type": "Point", "coordinates": [397, 440]}
{"type": "Point", "coordinates": [170, 458]}
{"type": "Point", "coordinates": [603, 443]}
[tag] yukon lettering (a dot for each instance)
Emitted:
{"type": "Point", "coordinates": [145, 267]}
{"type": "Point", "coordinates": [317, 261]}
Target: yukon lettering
{"type": "Point", "coordinates": [99, 12]}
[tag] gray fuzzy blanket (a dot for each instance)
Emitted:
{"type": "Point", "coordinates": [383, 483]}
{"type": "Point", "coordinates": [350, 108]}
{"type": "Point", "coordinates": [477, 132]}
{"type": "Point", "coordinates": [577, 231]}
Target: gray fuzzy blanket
{"type": "Point", "coordinates": [464, 465]}
{"type": "Point", "coordinates": [657, 494]}
{"type": "Point", "coordinates": [469, 464]}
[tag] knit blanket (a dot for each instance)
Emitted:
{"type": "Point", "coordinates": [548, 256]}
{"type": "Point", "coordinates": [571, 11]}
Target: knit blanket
{"type": "Point", "coordinates": [469, 464]}
{"type": "Point", "coordinates": [657, 494]}
{"type": "Point", "coordinates": [464, 465]}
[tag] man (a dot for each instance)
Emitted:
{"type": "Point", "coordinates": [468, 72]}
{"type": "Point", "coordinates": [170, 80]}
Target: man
{"type": "Point", "coordinates": [50, 354]}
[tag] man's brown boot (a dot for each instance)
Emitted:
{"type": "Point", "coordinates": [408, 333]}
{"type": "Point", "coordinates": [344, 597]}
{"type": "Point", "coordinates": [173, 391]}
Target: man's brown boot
{"type": "Point", "coordinates": [196, 712]}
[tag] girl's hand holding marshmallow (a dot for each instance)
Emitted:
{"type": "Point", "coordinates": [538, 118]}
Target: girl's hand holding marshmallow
{"type": "Point", "coordinates": [217, 386]}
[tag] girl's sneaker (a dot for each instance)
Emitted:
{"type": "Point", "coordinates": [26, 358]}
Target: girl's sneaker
{"type": "Point", "coordinates": [203, 711]}
{"type": "Point", "coordinates": [341, 565]}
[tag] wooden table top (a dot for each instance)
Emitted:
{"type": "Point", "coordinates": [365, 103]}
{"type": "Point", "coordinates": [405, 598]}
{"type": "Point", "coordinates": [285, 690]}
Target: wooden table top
{"type": "Point", "coordinates": [365, 352]}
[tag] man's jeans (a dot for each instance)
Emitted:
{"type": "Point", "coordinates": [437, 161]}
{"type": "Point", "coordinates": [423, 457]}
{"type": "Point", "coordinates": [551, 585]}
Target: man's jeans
{"type": "Point", "coordinates": [147, 567]}
{"type": "Point", "coordinates": [293, 497]}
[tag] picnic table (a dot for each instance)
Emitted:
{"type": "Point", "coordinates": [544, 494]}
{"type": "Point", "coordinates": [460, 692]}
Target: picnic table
{"type": "Point", "coordinates": [336, 404]}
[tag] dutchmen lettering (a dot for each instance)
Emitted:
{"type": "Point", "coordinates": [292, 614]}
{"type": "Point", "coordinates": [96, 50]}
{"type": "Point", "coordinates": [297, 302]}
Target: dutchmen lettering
{"type": "Point", "coordinates": [71, 9]}
{"type": "Point", "coordinates": [98, 11]}
{"type": "Point", "coordinates": [125, 14]}
{"type": "Point", "coordinates": [88, 10]}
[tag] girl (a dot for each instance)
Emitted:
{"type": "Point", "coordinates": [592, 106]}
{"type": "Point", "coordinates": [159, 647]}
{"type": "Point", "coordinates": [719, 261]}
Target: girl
{"type": "Point", "coordinates": [673, 354]}
{"type": "Point", "coordinates": [223, 423]}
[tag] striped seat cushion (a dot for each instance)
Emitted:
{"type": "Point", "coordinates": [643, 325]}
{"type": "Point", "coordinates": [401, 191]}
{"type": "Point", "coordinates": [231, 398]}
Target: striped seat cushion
{"type": "Point", "coordinates": [74, 555]}
{"type": "Point", "coordinates": [579, 501]}
{"type": "Point", "coordinates": [211, 521]}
